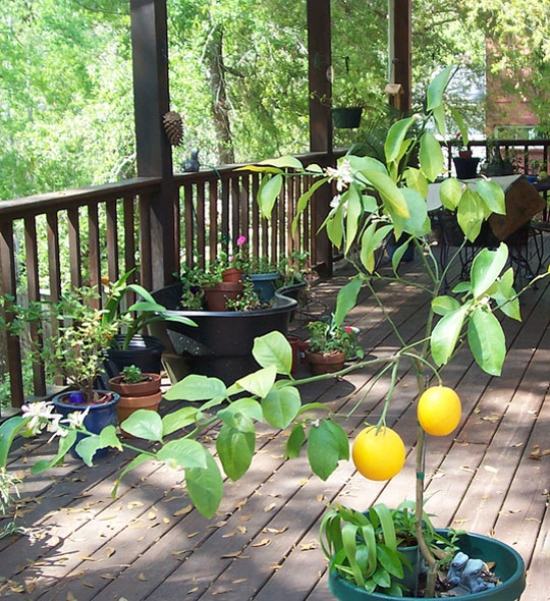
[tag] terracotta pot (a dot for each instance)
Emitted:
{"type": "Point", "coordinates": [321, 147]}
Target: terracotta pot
{"type": "Point", "coordinates": [325, 363]}
{"type": "Point", "coordinates": [217, 296]}
{"type": "Point", "coordinates": [142, 395]}
{"type": "Point", "coordinates": [299, 347]}
{"type": "Point", "coordinates": [232, 275]}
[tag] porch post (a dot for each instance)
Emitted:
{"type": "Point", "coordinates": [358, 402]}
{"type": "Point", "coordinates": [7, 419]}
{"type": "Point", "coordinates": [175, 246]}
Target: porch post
{"type": "Point", "coordinates": [320, 121]}
{"type": "Point", "coordinates": [154, 153]}
{"type": "Point", "coordinates": [400, 67]}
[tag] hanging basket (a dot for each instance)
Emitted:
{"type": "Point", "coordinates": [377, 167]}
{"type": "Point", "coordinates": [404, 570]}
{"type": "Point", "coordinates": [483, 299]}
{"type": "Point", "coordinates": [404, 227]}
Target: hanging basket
{"type": "Point", "coordinates": [347, 118]}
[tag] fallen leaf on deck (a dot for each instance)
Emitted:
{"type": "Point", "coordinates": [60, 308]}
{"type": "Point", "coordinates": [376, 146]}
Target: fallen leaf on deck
{"type": "Point", "coordinates": [107, 576]}
{"type": "Point", "coordinates": [152, 515]}
{"type": "Point", "coordinates": [491, 418]}
{"type": "Point", "coordinates": [220, 524]}
{"type": "Point", "coordinates": [141, 576]}
{"type": "Point", "coordinates": [239, 581]}
{"type": "Point", "coordinates": [222, 591]}
{"type": "Point", "coordinates": [276, 530]}
{"type": "Point", "coordinates": [30, 585]}
{"type": "Point", "coordinates": [193, 590]}
{"type": "Point", "coordinates": [466, 468]}
{"type": "Point", "coordinates": [490, 469]}
{"type": "Point", "coordinates": [263, 543]}
{"type": "Point", "coordinates": [231, 555]}
{"type": "Point", "coordinates": [270, 507]}
{"type": "Point", "coordinates": [182, 552]}
{"type": "Point", "coordinates": [192, 534]}
{"type": "Point", "coordinates": [70, 597]}
{"type": "Point", "coordinates": [16, 587]}
{"type": "Point", "coordinates": [303, 481]}
{"type": "Point", "coordinates": [166, 520]}
{"type": "Point", "coordinates": [183, 511]}
{"type": "Point", "coordinates": [245, 517]}
{"type": "Point", "coordinates": [241, 529]}
{"type": "Point", "coordinates": [308, 546]}
{"type": "Point", "coordinates": [134, 504]}
{"type": "Point", "coordinates": [86, 558]}
{"type": "Point", "coordinates": [110, 551]}
{"type": "Point", "coordinates": [88, 584]}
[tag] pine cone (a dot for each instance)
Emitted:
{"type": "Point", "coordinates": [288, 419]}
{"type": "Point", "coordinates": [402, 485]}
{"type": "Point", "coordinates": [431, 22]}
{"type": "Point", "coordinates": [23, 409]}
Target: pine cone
{"type": "Point", "coordinates": [173, 126]}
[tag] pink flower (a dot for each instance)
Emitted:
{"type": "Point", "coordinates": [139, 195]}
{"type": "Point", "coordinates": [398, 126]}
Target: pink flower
{"type": "Point", "coordinates": [241, 241]}
{"type": "Point", "coordinates": [348, 329]}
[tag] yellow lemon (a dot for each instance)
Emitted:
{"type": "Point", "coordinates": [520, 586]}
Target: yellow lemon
{"type": "Point", "coordinates": [378, 454]}
{"type": "Point", "coordinates": [439, 410]}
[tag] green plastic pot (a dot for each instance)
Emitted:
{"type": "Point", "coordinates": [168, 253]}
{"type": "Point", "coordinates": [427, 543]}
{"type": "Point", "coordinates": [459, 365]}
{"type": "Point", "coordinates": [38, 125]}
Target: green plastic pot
{"type": "Point", "coordinates": [509, 568]}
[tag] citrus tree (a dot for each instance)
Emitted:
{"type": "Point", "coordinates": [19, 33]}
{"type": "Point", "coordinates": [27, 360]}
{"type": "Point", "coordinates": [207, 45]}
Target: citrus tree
{"type": "Point", "coordinates": [373, 200]}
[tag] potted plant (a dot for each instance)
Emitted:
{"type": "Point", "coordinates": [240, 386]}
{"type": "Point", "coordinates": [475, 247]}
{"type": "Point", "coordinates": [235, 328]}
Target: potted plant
{"type": "Point", "coordinates": [235, 266]}
{"type": "Point", "coordinates": [347, 113]}
{"type": "Point", "coordinates": [264, 276]}
{"type": "Point", "coordinates": [131, 346]}
{"type": "Point", "coordinates": [330, 345]}
{"type": "Point", "coordinates": [137, 390]}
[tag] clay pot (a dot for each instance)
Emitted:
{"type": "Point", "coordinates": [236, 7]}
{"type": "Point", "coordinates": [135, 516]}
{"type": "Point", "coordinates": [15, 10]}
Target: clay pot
{"type": "Point", "coordinates": [216, 296]}
{"type": "Point", "coordinates": [142, 395]}
{"type": "Point", "coordinates": [325, 363]}
{"type": "Point", "coordinates": [299, 347]}
{"type": "Point", "coordinates": [232, 275]}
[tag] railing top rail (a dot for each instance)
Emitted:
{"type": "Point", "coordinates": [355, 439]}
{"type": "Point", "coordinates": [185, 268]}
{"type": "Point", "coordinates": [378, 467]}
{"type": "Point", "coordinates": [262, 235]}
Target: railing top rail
{"type": "Point", "coordinates": [40, 203]}
{"type": "Point", "coordinates": [228, 170]}
{"type": "Point", "coordinates": [511, 142]}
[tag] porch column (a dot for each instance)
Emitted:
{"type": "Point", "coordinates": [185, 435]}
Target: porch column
{"type": "Point", "coordinates": [399, 38]}
{"type": "Point", "coordinates": [320, 120]}
{"type": "Point", "coordinates": [154, 153]}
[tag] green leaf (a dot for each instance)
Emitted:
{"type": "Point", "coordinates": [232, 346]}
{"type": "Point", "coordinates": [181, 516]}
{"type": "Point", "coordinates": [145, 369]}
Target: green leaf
{"type": "Point", "coordinates": [260, 382]}
{"type": "Point", "coordinates": [394, 139]}
{"type": "Point", "coordinates": [505, 295]}
{"type": "Point", "coordinates": [248, 407]}
{"type": "Point", "coordinates": [346, 300]}
{"type": "Point", "coordinates": [462, 287]}
{"type": "Point", "coordinates": [273, 349]}
{"type": "Point", "coordinates": [235, 449]}
{"type": "Point", "coordinates": [391, 195]}
{"type": "Point", "coordinates": [335, 227]}
{"type": "Point", "coordinates": [269, 190]}
{"type": "Point", "coordinates": [281, 406]}
{"type": "Point", "coordinates": [370, 204]}
{"type": "Point", "coordinates": [172, 422]}
{"type": "Point", "coordinates": [64, 446]}
{"type": "Point", "coordinates": [486, 340]}
{"type": "Point", "coordinates": [439, 118]}
{"type": "Point", "coordinates": [492, 195]}
{"type": "Point", "coordinates": [109, 438]}
{"type": "Point", "coordinates": [285, 162]}
{"type": "Point", "coordinates": [8, 432]}
{"type": "Point", "coordinates": [450, 193]}
{"type": "Point", "coordinates": [390, 560]}
{"type": "Point", "coordinates": [295, 442]}
{"type": "Point", "coordinates": [441, 305]}
{"type": "Point", "coordinates": [353, 214]}
{"type": "Point", "coordinates": [463, 128]}
{"type": "Point", "coordinates": [205, 487]}
{"type": "Point", "coordinates": [303, 201]}
{"type": "Point", "coordinates": [144, 423]}
{"type": "Point", "coordinates": [436, 89]}
{"type": "Point", "coordinates": [486, 267]}
{"type": "Point", "coordinates": [372, 240]}
{"type": "Point", "coordinates": [417, 181]}
{"type": "Point", "coordinates": [398, 254]}
{"type": "Point", "coordinates": [418, 224]}
{"type": "Point", "coordinates": [349, 540]}
{"type": "Point", "coordinates": [381, 577]}
{"type": "Point", "coordinates": [146, 307]}
{"type": "Point", "coordinates": [445, 335]}
{"type": "Point", "coordinates": [87, 447]}
{"type": "Point", "coordinates": [134, 464]}
{"type": "Point", "coordinates": [470, 214]}
{"type": "Point", "coordinates": [313, 407]}
{"type": "Point", "coordinates": [386, 523]}
{"type": "Point", "coordinates": [327, 444]}
{"type": "Point", "coordinates": [183, 453]}
{"type": "Point", "coordinates": [365, 165]}
{"type": "Point", "coordinates": [196, 388]}
{"type": "Point", "coordinates": [432, 162]}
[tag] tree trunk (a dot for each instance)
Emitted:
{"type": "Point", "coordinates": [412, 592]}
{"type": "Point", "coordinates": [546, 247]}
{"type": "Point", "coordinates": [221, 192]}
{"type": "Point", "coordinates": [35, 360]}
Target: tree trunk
{"type": "Point", "coordinates": [213, 57]}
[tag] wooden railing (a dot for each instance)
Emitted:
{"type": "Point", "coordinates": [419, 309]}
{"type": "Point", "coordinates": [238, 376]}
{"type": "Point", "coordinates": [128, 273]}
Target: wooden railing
{"type": "Point", "coordinates": [91, 236]}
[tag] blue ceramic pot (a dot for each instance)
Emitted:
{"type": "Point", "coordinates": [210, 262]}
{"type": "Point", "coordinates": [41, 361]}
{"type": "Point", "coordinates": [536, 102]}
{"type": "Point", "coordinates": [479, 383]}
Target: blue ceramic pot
{"type": "Point", "coordinates": [509, 568]}
{"type": "Point", "coordinates": [100, 415]}
{"type": "Point", "coordinates": [264, 285]}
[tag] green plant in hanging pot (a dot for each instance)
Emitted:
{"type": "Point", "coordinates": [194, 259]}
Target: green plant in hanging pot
{"type": "Point", "coordinates": [347, 102]}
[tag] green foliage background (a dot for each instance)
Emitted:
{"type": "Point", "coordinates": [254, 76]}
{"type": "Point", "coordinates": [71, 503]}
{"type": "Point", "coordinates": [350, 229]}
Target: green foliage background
{"type": "Point", "coordinates": [66, 105]}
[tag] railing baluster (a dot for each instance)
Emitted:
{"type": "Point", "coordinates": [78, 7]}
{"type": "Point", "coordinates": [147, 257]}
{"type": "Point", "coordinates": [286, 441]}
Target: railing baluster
{"type": "Point", "coordinates": [225, 215]}
{"type": "Point", "coordinates": [54, 270]}
{"type": "Point", "coordinates": [146, 276]}
{"type": "Point", "coordinates": [189, 225]}
{"type": "Point", "coordinates": [201, 225]}
{"type": "Point", "coordinates": [94, 250]}
{"type": "Point", "coordinates": [129, 236]}
{"type": "Point", "coordinates": [235, 210]}
{"type": "Point", "coordinates": [178, 241]}
{"type": "Point", "coordinates": [112, 240]}
{"type": "Point", "coordinates": [283, 202]}
{"type": "Point", "coordinates": [9, 287]}
{"type": "Point", "coordinates": [75, 260]}
{"type": "Point", "coordinates": [255, 216]}
{"type": "Point", "coordinates": [33, 290]}
{"type": "Point", "coordinates": [213, 220]}
{"type": "Point", "coordinates": [244, 212]}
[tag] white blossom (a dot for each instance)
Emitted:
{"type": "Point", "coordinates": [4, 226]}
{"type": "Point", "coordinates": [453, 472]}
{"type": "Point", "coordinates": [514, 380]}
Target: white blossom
{"type": "Point", "coordinates": [40, 415]}
{"type": "Point", "coordinates": [76, 419]}
{"type": "Point", "coordinates": [342, 175]}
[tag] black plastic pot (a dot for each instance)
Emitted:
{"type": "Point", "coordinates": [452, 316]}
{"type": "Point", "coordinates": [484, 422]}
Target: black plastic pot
{"type": "Point", "coordinates": [143, 351]}
{"type": "Point", "coordinates": [221, 345]}
{"type": "Point", "coordinates": [466, 168]}
{"type": "Point", "coordinates": [347, 118]}
{"type": "Point", "coordinates": [264, 285]}
{"type": "Point", "coordinates": [509, 568]}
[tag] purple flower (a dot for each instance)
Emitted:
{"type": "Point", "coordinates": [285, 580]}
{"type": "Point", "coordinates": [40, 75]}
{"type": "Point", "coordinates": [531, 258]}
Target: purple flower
{"type": "Point", "coordinates": [241, 241]}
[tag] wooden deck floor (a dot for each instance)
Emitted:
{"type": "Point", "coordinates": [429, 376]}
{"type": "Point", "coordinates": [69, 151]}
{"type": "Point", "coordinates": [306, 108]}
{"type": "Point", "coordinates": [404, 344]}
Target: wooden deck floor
{"type": "Point", "coordinates": [84, 545]}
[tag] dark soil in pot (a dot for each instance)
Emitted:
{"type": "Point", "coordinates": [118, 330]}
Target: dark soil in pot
{"type": "Point", "coordinates": [143, 351]}
{"type": "Point", "coordinates": [325, 363]}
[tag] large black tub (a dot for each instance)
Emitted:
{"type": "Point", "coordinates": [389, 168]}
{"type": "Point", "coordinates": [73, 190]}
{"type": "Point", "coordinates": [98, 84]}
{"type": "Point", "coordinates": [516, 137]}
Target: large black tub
{"type": "Point", "coordinates": [221, 345]}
